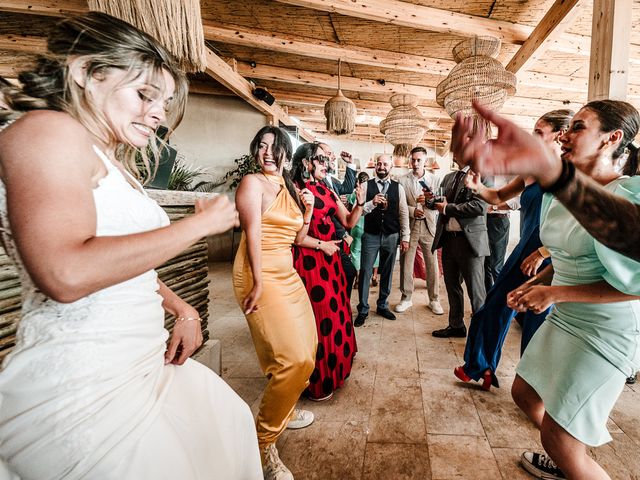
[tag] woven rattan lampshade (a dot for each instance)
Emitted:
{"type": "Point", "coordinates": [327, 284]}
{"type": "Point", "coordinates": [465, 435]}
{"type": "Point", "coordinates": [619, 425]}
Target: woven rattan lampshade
{"type": "Point", "coordinates": [176, 24]}
{"type": "Point", "coordinates": [477, 76]}
{"type": "Point", "coordinates": [340, 112]}
{"type": "Point", "coordinates": [404, 126]}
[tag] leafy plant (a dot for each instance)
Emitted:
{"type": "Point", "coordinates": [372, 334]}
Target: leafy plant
{"type": "Point", "coordinates": [245, 165]}
{"type": "Point", "coordinates": [183, 177]}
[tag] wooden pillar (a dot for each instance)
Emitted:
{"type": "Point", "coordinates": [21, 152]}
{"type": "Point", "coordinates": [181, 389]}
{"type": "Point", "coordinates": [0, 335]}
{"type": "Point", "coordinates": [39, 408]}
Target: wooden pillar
{"type": "Point", "coordinates": [610, 36]}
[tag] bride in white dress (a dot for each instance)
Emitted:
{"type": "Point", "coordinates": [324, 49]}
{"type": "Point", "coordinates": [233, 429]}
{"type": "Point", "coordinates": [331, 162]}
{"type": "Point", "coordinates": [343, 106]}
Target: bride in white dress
{"type": "Point", "coordinates": [90, 390]}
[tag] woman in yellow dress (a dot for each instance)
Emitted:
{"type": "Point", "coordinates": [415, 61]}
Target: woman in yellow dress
{"type": "Point", "coordinates": [274, 216]}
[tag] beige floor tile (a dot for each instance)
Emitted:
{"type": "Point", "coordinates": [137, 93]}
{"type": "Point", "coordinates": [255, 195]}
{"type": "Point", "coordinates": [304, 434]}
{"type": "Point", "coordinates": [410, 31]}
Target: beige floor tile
{"type": "Point", "coordinates": [448, 409]}
{"type": "Point", "coordinates": [619, 458]}
{"type": "Point", "coordinates": [402, 413]}
{"type": "Point", "coordinates": [389, 426]}
{"type": "Point", "coordinates": [509, 464]}
{"type": "Point", "coordinates": [351, 402]}
{"type": "Point", "coordinates": [396, 393]}
{"type": "Point", "coordinates": [432, 354]}
{"type": "Point", "coordinates": [626, 414]}
{"type": "Point", "coordinates": [386, 461]}
{"type": "Point", "coordinates": [326, 450]}
{"type": "Point", "coordinates": [504, 424]}
{"type": "Point", "coordinates": [461, 457]}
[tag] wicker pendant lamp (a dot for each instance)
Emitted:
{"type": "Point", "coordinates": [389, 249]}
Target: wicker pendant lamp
{"type": "Point", "coordinates": [404, 126]}
{"type": "Point", "coordinates": [340, 112]}
{"type": "Point", "coordinates": [477, 76]}
{"type": "Point", "coordinates": [176, 24]}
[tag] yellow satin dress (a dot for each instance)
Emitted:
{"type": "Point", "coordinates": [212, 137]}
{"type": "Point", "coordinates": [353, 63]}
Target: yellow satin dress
{"type": "Point", "coordinates": [283, 327]}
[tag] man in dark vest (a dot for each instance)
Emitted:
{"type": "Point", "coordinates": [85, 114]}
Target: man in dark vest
{"type": "Point", "coordinates": [386, 223]}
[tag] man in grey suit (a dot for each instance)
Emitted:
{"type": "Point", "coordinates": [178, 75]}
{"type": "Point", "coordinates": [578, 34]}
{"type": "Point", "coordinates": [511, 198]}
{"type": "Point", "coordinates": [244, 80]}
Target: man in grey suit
{"type": "Point", "coordinates": [462, 234]}
{"type": "Point", "coordinates": [422, 224]}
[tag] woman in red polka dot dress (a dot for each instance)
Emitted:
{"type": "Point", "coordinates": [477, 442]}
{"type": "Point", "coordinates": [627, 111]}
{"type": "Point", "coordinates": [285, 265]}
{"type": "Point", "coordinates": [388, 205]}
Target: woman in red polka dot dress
{"type": "Point", "coordinates": [317, 260]}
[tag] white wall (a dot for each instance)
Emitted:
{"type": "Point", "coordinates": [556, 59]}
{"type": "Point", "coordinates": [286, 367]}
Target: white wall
{"type": "Point", "coordinates": [215, 131]}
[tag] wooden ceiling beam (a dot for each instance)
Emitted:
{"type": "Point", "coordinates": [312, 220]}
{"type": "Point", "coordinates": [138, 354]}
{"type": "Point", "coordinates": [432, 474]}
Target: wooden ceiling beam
{"type": "Point", "coordinates": [417, 16]}
{"type": "Point", "coordinates": [52, 8]}
{"type": "Point", "coordinates": [559, 17]}
{"type": "Point", "coordinates": [358, 85]}
{"type": "Point", "coordinates": [31, 44]}
{"type": "Point", "coordinates": [610, 35]}
{"type": "Point", "coordinates": [23, 43]}
{"type": "Point", "coordinates": [323, 80]}
{"type": "Point", "coordinates": [437, 20]}
{"type": "Point", "coordinates": [297, 45]}
{"type": "Point", "coordinates": [223, 73]}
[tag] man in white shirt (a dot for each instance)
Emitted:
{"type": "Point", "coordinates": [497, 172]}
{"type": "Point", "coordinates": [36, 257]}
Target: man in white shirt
{"type": "Point", "coordinates": [386, 223]}
{"type": "Point", "coordinates": [422, 223]}
{"type": "Point", "coordinates": [498, 224]}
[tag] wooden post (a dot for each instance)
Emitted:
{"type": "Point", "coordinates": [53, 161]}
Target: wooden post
{"type": "Point", "coordinates": [610, 36]}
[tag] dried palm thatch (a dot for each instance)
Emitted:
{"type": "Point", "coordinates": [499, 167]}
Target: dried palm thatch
{"type": "Point", "coordinates": [176, 24]}
{"type": "Point", "coordinates": [340, 112]}
{"type": "Point", "coordinates": [404, 126]}
{"type": "Point", "coordinates": [477, 76]}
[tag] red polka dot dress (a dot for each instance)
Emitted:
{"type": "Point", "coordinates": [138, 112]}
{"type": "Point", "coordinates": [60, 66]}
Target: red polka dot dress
{"type": "Point", "coordinates": [326, 284]}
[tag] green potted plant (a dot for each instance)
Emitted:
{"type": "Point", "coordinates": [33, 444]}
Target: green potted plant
{"type": "Point", "coordinates": [245, 165]}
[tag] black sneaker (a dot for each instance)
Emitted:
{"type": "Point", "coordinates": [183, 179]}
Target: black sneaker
{"type": "Point", "coordinates": [541, 466]}
{"type": "Point", "coordinates": [359, 321]}
{"type": "Point", "coordinates": [631, 380]}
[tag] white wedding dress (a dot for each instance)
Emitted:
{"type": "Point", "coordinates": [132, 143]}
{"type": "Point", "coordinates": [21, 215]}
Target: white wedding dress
{"type": "Point", "coordinates": [85, 392]}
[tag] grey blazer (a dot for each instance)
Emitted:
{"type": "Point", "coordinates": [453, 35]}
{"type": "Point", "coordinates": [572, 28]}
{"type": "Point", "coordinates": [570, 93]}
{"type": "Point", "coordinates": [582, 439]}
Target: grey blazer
{"type": "Point", "coordinates": [348, 184]}
{"type": "Point", "coordinates": [430, 215]}
{"type": "Point", "coordinates": [470, 211]}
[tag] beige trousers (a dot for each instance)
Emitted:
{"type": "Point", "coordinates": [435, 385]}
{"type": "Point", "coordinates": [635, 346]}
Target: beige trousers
{"type": "Point", "coordinates": [420, 237]}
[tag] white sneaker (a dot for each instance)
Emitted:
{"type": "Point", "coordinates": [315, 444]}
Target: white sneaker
{"type": "Point", "coordinates": [436, 307]}
{"type": "Point", "coordinates": [273, 468]}
{"type": "Point", "coordinates": [300, 419]}
{"type": "Point", "coordinates": [403, 305]}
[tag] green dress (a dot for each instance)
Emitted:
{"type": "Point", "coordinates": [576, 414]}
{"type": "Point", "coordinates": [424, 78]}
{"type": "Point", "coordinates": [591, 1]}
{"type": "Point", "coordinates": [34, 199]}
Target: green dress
{"type": "Point", "coordinates": [580, 357]}
{"type": "Point", "coordinates": [356, 232]}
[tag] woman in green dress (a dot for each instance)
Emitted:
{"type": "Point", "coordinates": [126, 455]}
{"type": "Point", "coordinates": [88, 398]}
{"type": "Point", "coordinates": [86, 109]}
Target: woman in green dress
{"type": "Point", "coordinates": [575, 367]}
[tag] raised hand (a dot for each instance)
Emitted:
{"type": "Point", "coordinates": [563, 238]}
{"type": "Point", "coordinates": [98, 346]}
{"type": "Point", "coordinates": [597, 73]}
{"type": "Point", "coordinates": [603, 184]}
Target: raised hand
{"type": "Point", "coordinates": [514, 151]}
{"type": "Point", "coordinates": [219, 212]}
{"type": "Point", "coordinates": [307, 198]}
{"type": "Point", "coordinates": [473, 181]}
{"type": "Point", "coordinates": [346, 156]}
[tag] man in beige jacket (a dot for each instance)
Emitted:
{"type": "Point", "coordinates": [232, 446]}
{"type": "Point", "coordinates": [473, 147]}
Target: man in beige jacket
{"type": "Point", "coordinates": [422, 223]}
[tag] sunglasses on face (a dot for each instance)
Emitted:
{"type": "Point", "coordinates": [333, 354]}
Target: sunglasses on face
{"type": "Point", "coordinates": [321, 159]}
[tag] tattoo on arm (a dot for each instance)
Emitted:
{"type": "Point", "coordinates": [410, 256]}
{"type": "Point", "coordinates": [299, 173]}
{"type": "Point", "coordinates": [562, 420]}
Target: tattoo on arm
{"type": "Point", "coordinates": [612, 220]}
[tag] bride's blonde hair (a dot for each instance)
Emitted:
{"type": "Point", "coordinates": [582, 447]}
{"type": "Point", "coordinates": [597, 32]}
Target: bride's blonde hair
{"type": "Point", "coordinates": [103, 43]}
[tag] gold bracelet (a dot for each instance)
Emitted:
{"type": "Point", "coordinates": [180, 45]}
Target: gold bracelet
{"type": "Point", "coordinates": [188, 319]}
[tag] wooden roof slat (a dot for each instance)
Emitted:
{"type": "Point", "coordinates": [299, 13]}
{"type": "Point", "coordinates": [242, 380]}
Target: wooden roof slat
{"type": "Point", "coordinates": [418, 16]}
{"type": "Point", "coordinates": [297, 45]}
{"type": "Point", "coordinates": [553, 24]}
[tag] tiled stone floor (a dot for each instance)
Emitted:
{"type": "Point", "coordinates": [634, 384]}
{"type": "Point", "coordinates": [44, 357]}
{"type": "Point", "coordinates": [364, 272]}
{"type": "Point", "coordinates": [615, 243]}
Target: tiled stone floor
{"type": "Point", "coordinates": [402, 414]}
